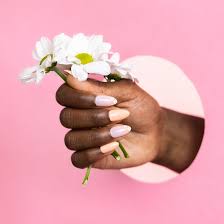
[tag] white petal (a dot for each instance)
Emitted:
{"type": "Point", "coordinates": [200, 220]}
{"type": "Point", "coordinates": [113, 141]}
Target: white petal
{"type": "Point", "coordinates": [47, 45]}
{"type": "Point", "coordinates": [129, 76]}
{"type": "Point", "coordinates": [28, 74]}
{"type": "Point", "coordinates": [79, 73]}
{"type": "Point", "coordinates": [35, 55]}
{"type": "Point", "coordinates": [73, 59]}
{"type": "Point", "coordinates": [61, 43]}
{"type": "Point", "coordinates": [94, 43]}
{"type": "Point", "coordinates": [61, 40]}
{"type": "Point", "coordinates": [102, 50]}
{"type": "Point", "coordinates": [39, 50]}
{"type": "Point", "coordinates": [121, 71]}
{"type": "Point", "coordinates": [97, 67]}
{"type": "Point", "coordinates": [103, 57]}
{"type": "Point", "coordinates": [106, 47]}
{"type": "Point", "coordinates": [79, 44]}
{"type": "Point", "coordinates": [115, 58]}
{"type": "Point", "coordinates": [43, 47]}
{"type": "Point", "coordinates": [61, 58]}
{"type": "Point", "coordinates": [127, 67]}
{"type": "Point", "coordinates": [39, 75]}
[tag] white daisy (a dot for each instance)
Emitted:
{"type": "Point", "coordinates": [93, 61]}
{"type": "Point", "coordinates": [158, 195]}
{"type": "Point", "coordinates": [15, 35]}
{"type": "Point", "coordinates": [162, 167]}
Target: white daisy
{"type": "Point", "coordinates": [121, 69]}
{"type": "Point", "coordinates": [46, 52]}
{"type": "Point", "coordinates": [87, 55]}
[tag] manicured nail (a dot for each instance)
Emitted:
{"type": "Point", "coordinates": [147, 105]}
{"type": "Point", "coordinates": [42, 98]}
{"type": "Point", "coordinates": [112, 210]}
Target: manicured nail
{"type": "Point", "coordinates": [105, 101]}
{"type": "Point", "coordinates": [109, 147]}
{"type": "Point", "coordinates": [120, 130]}
{"type": "Point", "coordinates": [119, 114]}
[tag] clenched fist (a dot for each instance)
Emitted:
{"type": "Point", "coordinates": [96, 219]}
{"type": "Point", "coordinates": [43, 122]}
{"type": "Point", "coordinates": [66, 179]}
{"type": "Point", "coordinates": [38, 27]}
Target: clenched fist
{"type": "Point", "coordinates": [100, 114]}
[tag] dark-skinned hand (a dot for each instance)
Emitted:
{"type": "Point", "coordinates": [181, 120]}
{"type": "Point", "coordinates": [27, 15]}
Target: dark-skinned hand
{"type": "Point", "coordinates": [100, 114]}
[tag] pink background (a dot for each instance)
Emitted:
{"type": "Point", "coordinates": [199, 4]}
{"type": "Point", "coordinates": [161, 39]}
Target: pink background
{"type": "Point", "coordinates": [38, 183]}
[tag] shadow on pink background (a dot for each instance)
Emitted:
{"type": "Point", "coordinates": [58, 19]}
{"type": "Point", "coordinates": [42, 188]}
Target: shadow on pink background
{"type": "Point", "coordinates": [38, 183]}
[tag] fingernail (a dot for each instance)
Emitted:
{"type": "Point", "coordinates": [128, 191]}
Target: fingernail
{"type": "Point", "coordinates": [120, 130]}
{"type": "Point", "coordinates": [119, 114]}
{"type": "Point", "coordinates": [105, 101]}
{"type": "Point", "coordinates": [109, 147]}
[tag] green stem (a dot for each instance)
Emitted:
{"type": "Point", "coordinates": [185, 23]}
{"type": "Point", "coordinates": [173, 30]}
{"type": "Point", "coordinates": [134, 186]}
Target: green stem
{"type": "Point", "coordinates": [59, 72]}
{"type": "Point", "coordinates": [126, 155]}
{"type": "Point", "coordinates": [86, 177]}
{"type": "Point", "coordinates": [116, 155]}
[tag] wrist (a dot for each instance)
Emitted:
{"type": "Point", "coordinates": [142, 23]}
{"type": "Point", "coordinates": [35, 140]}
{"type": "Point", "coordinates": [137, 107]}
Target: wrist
{"type": "Point", "coordinates": [181, 138]}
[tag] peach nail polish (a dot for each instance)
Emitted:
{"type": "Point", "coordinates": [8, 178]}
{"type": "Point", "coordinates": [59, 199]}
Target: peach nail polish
{"type": "Point", "coordinates": [109, 147]}
{"type": "Point", "coordinates": [118, 114]}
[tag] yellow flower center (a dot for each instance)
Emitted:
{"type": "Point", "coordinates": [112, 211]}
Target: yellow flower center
{"type": "Point", "coordinates": [85, 58]}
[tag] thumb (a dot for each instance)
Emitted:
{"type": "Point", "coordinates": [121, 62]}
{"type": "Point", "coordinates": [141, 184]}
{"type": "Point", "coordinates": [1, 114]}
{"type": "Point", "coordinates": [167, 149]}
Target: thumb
{"type": "Point", "coordinates": [122, 90]}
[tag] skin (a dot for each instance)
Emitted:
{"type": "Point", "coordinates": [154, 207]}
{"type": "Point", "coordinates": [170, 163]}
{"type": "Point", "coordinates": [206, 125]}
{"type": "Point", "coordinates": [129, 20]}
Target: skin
{"type": "Point", "coordinates": [158, 134]}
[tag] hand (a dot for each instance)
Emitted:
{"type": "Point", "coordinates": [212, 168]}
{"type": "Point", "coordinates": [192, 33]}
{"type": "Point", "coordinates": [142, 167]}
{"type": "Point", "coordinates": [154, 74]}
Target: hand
{"type": "Point", "coordinates": [94, 110]}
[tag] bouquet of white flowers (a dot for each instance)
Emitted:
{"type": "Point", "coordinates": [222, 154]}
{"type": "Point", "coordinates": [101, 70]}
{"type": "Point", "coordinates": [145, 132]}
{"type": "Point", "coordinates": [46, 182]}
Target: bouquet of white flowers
{"type": "Point", "coordinates": [79, 56]}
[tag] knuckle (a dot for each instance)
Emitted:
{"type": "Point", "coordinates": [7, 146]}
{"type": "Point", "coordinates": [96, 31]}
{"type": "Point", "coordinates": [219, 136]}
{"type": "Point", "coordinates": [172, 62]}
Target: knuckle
{"type": "Point", "coordinates": [65, 117]}
{"type": "Point", "coordinates": [87, 156]}
{"type": "Point", "coordinates": [75, 161]}
{"type": "Point", "coordinates": [99, 117]}
{"type": "Point", "coordinates": [100, 137]}
{"type": "Point", "coordinates": [94, 138]}
{"type": "Point", "coordinates": [60, 94]}
{"type": "Point", "coordinates": [70, 140]}
{"type": "Point", "coordinates": [100, 87]}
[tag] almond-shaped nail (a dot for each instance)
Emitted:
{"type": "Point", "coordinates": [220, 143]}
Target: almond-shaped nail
{"type": "Point", "coordinates": [118, 114]}
{"type": "Point", "coordinates": [109, 147]}
{"type": "Point", "coordinates": [119, 130]}
{"type": "Point", "coordinates": [105, 101]}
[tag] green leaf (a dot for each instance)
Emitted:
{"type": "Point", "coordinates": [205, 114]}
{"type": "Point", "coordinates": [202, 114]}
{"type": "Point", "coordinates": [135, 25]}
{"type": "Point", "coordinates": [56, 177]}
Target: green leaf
{"type": "Point", "coordinates": [84, 58]}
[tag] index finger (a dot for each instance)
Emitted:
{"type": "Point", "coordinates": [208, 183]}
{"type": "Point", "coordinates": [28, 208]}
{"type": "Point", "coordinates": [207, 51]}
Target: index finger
{"type": "Point", "coordinates": [69, 97]}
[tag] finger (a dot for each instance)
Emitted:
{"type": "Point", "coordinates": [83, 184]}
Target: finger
{"type": "Point", "coordinates": [91, 118]}
{"type": "Point", "coordinates": [82, 159]}
{"type": "Point", "coordinates": [85, 139]}
{"type": "Point", "coordinates": [121, 90]}
{"type": "Point", "coordinates": [66, 96]}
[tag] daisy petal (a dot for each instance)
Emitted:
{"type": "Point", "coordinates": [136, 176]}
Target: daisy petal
{"type": "Point", "coordinates": [115, 58]}
{"type": "Point", "coordinates": [28, 75]}
{"type": "Point", "coordinates": [97, 67]}
{"type": "Point", "coordinates": [79, 73]}
{"type": "Point", "coordinates": [39, 75]}
{"type": "Point", "coordinates": [61, 41]}
{"type": "Point", "coordinates": [79, 44]}
{"type": "Point", "coordinates": [105, 47]}
{"type": "Point", "coordinates": [39, 50]}
{"type": "Point", "coordinates": [47, 46]}
{"type": "Point", "coordinates": [121, 71]}
{"type": "Point", "coordinates": [35, 56]}
{"type": "Point", "coordinates": [94, 42]}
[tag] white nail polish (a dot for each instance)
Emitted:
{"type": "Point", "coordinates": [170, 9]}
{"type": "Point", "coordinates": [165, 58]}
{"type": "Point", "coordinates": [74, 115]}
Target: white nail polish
{"type": "Point", "coordinates": [119, 130]}
{"type": "Point", "coordinates": [105, 101]}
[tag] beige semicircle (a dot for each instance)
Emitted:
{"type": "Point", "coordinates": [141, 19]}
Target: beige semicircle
{"type": "Point", "coordinates": [168, 84]}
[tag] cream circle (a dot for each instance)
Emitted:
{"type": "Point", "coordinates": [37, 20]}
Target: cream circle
{"type": "Point", "coordinates": [169, 85]}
